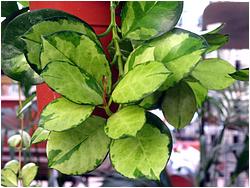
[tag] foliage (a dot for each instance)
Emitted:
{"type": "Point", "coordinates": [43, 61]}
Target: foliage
{"type": "Point", "coordinates": [165, 70]}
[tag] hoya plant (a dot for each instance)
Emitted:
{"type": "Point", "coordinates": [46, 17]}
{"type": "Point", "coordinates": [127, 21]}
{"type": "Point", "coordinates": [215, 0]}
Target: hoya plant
{"type": "Point", "coordinates": [159, 65]}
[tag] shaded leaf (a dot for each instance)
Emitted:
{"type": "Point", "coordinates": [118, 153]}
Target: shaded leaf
{"type": "Point", "coordinates": [242, 75]}
{"type": "Point", "coordinates": [140, 82]}
{"type": "Point", "coordinates": [199, 91]}
{"type": "Point", "coordinates": [80, 50]}
{"type": "Point", "coordinates": [28, 173]}
{"type": "Point", "coordinates": [179, 105]}
{"type": "Point", "coordinates": [13, 165]}
{"type": "Point", "coordinates": [8, 178]}
{"type": "Point", "coordinates": [143, 20]}
{"type": "Point", "coordinates": [78, 150]}
{"type": "Point", "coordinates": [152, 101]}
{"type": "Point", "coordinates": [39, 135]}
{"type": "Point", "coordinates": [125, 122]}
{"type": "Point", "coordinates": [8, 8]}
{"type": "Point", "coordinates": [138, 157]}
{"type": "Point", "coordinates": [62, 114]}
{"type": "Point", "coordinates": [26, 104]}
{"type": "Point", "coordinates": [66, 79]}
{"type": "Point", "coordinates": [215, 41]}
{"type": "Point", "coordinates": [214, 73]}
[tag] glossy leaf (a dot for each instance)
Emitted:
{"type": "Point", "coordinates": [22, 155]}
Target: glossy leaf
{"type": "Point", "coordinates": [62, 114]}
{"type": "Point", "coordinates": [214, 73]}
{"type": "Point", "coordinates": [125, 122]}
{"type": "Point", "coordinates": [145, 155]}
{"type": "Point", "coordinates": [179, 105]}
{"type": "Point", "coordinates": [80, 50]}
{"type": "Point", "coordinates": [199, 91]}
{"type": "Point", "coordinates": [143, 20]}
{"type": "Point", "coordinates": [26, 104]}
{"type": "Point", "coordinates": [8, 178]}
{"type": "Point", "coordinates": [179, 50]}
{"type": "Point", "coordinates": [140, 82]}
{"type": "Point", "coordinates": [152, 101]}
{"type": "Point", "coordinates": [72, 83]}
{"type": "Point", "coordinates": [39, 135]}
{"type": "Point", "coordinates": [49, 26]}
{"type": "Point", "coordinates": [78, 150]}
{"type": "Point", "coordinates": [14, 63]}
{"type": "Point", "coordinates": [13, 165]}
{"type": "Point", "coordinates": [242, 75]}
{"type": "Point", "coordinates": [28, 173]}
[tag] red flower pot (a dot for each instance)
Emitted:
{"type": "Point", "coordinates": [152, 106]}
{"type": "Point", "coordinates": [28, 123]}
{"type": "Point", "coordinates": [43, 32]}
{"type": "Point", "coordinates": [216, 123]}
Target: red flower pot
{"type": "Point", "coordinates": [96, 14]}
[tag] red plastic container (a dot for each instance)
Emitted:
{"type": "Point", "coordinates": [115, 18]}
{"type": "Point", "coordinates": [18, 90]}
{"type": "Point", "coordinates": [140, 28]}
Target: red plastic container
{"type": "Point", "coordinates": [96, 14]}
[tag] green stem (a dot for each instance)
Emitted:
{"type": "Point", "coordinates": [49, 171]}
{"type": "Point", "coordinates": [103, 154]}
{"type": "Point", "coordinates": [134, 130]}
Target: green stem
{"type": "Point", "coordinates": [105, 33]}
{"type": "Point", "coordinates": [116, 38]}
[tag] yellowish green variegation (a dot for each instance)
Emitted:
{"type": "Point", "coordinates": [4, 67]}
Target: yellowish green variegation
{"type": "Point", "coordinates": [78, 150]}
{"type": "Point", "coordinates": [125, 122]}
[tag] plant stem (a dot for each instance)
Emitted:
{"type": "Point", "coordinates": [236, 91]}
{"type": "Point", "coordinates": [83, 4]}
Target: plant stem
{"type": "Point", "coordinates": [21, 128]}
{"type": "Point", "coordinates": [116, 38]}
{"type": "Point", "coordinates": [105, 33]}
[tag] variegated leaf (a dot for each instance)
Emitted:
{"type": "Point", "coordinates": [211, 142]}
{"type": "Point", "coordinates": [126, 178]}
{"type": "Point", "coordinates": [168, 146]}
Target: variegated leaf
{"type": "Point", "coordinates": [78, 150]}
{"type": "Point", "coordinates": [125, 122]}
{"type": "Point", "coordinates": [62, 114]}
{"type": "Point", "coordinates": [146, 154]}
{"type": "Point", "coordinates": [199, 91]}
{"type": "Point", "coordinates": [39, 135]}
{"type": "Point", "coordinates": [143, 20]}
{"type": "Point", "coordinates": [8, 178]}
{"type": "Point", "coordinates": [140, 82]}
{"type": "Point", "coordinates": [13, 165]}
{"type": "Point", "coordinates": [28, 173]}
{"type": "Point", "coordinates": [72, 83]}
{"type": "Point", "coordinates": [179, 105]}
{"type": "Point", "coordinates": [80, 50]}
{"type": "Point", "coordinates": [214, 73]}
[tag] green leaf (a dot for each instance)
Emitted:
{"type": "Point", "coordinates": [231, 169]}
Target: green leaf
{"type": "Point", "coordinates": [13, 165]}
{"type": "Point", "coordinates": [145, 155]}
{"type": "Point", "coordinates": [78, 150]}
{"type": "Point", "coordinates": [214, 73]}
{"type": "Point", "coordinates": [179, 105]}
{"type": "Point", "coordinates": [143, 20]}
{"type": "Point", "coordinates": [199, 91]}
{"type": "Point", "coordinates": [152, 101]}
{"type": "Point", "coordinates": [62, 114]}
{"type": "Point", "coordinates": [26, 104]}
{"type": "Point", "coordinates": [14, 63]}
{"type": "Point", "coordinates": [215, 41]}
{"type": "Point", "coordinates": [8, 178]}
{"type": "Point", "coordinates": [26, 138]}
{"type": "Point", "coordinates": [49, 26]}
{"type": "Point", "coordinates": [126, 122]}
{"type": "Point", "coordinates": [179, 50]}
{"type": "Point", "coordinates": [242, 75]}
{"type": "Point", "coordinates": [216, 30]}
{"type": "Point", "coordinates": [80, 50]}
{"type": "Point", "coordinates": [14, 140]}
{"type": "Point", "coordinates": [24, 3]}
{"type": "Point", "coordinates": [8, 8]}
{"type": "Point", "coordinates": [72, 83]}
{"type": "Point", "coordinates": [140, 82]}
{"type": "Point", "coordinates": [39, 135]}
{"type": "Point", "coordinates": [28, 173]}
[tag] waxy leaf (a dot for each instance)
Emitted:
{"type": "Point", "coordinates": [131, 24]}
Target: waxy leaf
{"type": "Point", "coordinates": [78, 150]}
{"type": "Point", "coordinates": [13, 165]}
{"type": "Point", "coordinates": [152, 101]}
{"type": "Point", "coordinates": [242, 75]}
{"type": "Point", "coordinates": [214, 73]}
{"type": "Point", "coordinates": [179, 105]}
{"type": "Point", "coordinates": [62, 114]}
{"type": "Point", "coordinates": [140, 82]}
{"type": "Point", "coordinates": [14, 63]}
{"type": "Point", "coordinates": [39, 135]}
{"type": "Point", "coordinates": [146, 154]}
{"type": "Point", "coordinates": [125, 122]}
{"type": "Point", "coordinates": [33, 36]}
{"type": "Point", "coordinates": [8, 178]}
{"type": "Point", "coordinates": [179, 50]}
{"type": "Point", "coordinates": [199, 91]}
{"type": "Point", "coordinates": [72, 83]}
{"type": "Point", "coordinates": [28, 173]}
{"type": "Point", "coordinates": [143, 20]}
{"type": "Point", "coordinates": [80, 50]}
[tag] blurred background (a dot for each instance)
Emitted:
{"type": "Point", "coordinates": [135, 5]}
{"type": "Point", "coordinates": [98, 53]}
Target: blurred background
{"type": "Point", "coordinates": [212, 151]}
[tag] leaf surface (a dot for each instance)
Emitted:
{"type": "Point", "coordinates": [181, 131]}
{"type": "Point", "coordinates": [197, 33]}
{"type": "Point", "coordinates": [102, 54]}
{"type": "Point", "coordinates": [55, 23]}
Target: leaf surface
{"type": "Point", "coordinates": [28, 173]}
{"type": "Point", "coordinates": [39, 135]}
{"type": "Point", "coordinates": [8, 178]}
